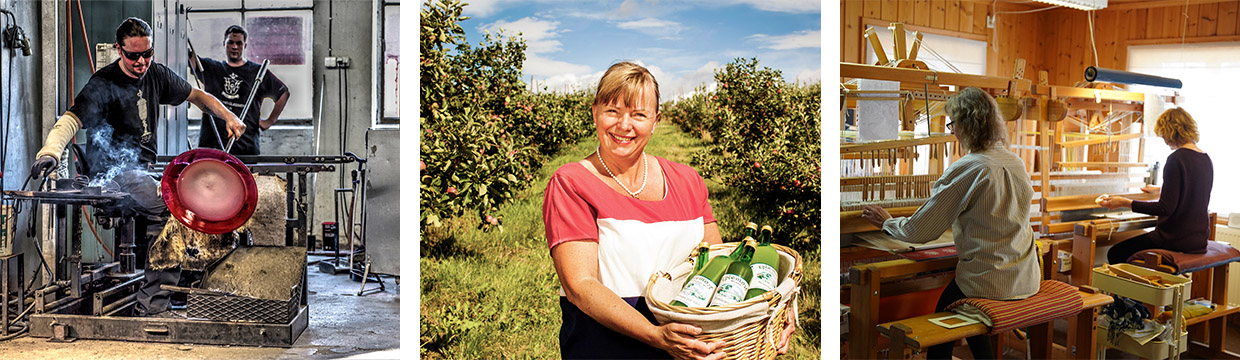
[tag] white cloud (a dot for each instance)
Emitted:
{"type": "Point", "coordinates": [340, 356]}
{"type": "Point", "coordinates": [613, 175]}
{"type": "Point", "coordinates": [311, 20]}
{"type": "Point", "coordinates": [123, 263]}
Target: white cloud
{"type": "Point", "coordinates": [481, 8]}
{"type": "Point", "coordinates": [539, 66]}
{"type": "Point", "coordinates": [688, 84]}
{"type": "Point", "coordinates": [797, 40]}
{"type": "Point", "coordinates": [540, 35]}
{"type": "Point", "coordinates": [650, 26]}
{"type": "Point", "coordinates": [785, 6]}
{"type": "Point", "coordinates": [809, 76]}
{"type": "Point", "coordinates": [569, 82]}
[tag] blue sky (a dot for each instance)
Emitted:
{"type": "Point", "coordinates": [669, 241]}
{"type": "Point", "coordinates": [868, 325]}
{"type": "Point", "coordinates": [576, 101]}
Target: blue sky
{"type": "Point", "coordinates": [571, 43]}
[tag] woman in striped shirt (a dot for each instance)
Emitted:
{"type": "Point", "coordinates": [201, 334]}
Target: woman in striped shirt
{"type": "Point", "coordinates": [984, 197]}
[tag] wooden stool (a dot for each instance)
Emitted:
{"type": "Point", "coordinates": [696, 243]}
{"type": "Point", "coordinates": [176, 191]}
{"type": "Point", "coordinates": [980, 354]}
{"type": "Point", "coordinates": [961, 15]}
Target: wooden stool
{"type": "Point", "coordinates": [1209, 274]}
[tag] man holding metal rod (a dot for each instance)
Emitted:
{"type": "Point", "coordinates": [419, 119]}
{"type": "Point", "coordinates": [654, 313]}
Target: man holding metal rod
{"type": "Point", "coordinates": [119, 108]}
{"type": "Point", "coordinates": [241, 85]}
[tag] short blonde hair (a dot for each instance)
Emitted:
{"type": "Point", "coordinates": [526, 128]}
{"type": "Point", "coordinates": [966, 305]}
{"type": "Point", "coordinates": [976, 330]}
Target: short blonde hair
{"type": "Point", "coordinates": [1177, 127]}
{"type": "Point", "coordinates": [975, 115]}
{"type": "Point", "coordinates": [625, 79]}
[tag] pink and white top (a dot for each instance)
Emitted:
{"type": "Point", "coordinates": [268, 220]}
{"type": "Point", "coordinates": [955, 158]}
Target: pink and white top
{"type": "Point", "coordinates": [636, 237]}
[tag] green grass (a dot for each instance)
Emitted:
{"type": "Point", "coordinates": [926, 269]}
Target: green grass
{"type": "Point", "coordinates": [494, 294]}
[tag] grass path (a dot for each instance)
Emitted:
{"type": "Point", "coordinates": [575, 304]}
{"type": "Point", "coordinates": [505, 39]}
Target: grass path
{"type": "Point", "coordinates": [494, 294]}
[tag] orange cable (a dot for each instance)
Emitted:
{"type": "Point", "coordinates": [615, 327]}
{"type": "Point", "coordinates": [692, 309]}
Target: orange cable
{"type": "Point", "coordinates": [69, 27]}
{"type": "Point", "coordinates": [85, 38]}
{"type": "Point", "coordinates": [91, 223]}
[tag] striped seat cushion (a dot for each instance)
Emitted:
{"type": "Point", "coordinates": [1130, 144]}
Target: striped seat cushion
{"type": "Point", "coordinates": [1054, 300]}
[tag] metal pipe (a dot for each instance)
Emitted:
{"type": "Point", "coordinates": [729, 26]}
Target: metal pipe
{"type": "Point", "coordinates": [1126, 77]}
{"type": "Point", "coordinates": [55, 305]}
{"type": "Point", "coordinates": [119, 308]}
{"type": "Point", "coordinates": [112, 290]}
{"type": "Point", "coordinates": [108, 309]}
{"type": "Point", "coordinates": [262, 72]}
{"type": "Point", "coordinates": [43, 291]}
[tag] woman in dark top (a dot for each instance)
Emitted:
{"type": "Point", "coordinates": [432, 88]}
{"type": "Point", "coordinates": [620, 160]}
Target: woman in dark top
{"type": "Point", "coordinates": [1183, 219]}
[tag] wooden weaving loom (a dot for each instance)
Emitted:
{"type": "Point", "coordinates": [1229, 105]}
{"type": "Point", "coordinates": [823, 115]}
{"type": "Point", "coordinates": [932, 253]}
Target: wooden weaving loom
{"type": "Point", "coordinates": [1077, 143]}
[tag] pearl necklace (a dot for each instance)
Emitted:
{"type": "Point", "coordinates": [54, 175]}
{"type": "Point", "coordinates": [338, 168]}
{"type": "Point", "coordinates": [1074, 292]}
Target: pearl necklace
{"type": "Point", "coordinates": [645, 171]}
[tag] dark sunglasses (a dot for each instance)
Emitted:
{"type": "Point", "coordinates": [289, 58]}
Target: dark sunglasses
{"type": "Point", "coordinates": [133, 56]}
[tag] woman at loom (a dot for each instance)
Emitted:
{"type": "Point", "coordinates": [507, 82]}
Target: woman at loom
{"type": "Point", "coordinates": [1183, 223]}
{"type": "Point", "coordinates": [984, 197]}
{"type": "Point", "coordinates": [618, 216]}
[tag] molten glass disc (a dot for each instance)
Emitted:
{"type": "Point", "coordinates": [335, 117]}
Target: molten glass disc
{"type": "Point", "coordinates": [209, 190]}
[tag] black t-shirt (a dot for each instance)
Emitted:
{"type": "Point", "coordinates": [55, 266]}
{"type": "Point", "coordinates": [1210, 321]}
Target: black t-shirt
{"type": "Point", "coordinates": [232, 86]}
{"type": "Point", "coordinates": [120, 113]}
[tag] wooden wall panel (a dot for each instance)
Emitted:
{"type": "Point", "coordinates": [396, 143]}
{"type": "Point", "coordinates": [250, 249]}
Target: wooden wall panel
{"type": "Point", "coordinates": [966, 16]}
{"type": "Point", "coordinates": [891, 9]}
{"type": "Point", "coordinates": [1191, 20]}
{"type": "Point", "coordinates": [1055, 40]}
{"type": "Point", "coordinates": [1227, 18]}
{"type": "Point", "coordinates": [1155, 22]}
{"type": "Point", "coordinates": [1207, 24]}
{"type": "Point", "coordinates": [851, 33]}
{"type": "Point", "coordinates": [1173, 20]}
{"type": "Point", "coordinates": [1137, 24]}
{"type": "Point", "coordinates": [938, 14]}
{"type": "Point", "coordinates": [921, 12]}
{"type": "Point", "coordinates": [906, 11]}
{"type": "Point", "coordinates": [952, 20]}
{"type": "Point", "coordinates": [872, 9]}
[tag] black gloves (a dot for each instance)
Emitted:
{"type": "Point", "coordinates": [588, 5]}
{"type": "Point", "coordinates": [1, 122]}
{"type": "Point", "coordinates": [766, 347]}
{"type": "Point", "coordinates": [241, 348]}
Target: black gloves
{"type": "Point", "coordinates": [43, 166]}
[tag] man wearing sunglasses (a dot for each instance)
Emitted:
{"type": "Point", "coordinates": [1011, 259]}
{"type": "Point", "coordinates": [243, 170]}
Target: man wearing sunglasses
{"type": "Point", "coordinates": [231, 82]}
{"type": "Point", "coordinates": [119, 108]}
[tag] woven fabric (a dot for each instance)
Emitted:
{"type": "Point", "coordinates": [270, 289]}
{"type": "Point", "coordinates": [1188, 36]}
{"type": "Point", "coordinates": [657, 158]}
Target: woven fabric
{"type": "Point", "coordinates": [1217, 253]}
{"type": "Point", "coordinates": [1054, 300]}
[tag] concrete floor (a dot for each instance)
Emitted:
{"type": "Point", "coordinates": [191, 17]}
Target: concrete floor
{"type": "Point", "coordinates": [342, 325]}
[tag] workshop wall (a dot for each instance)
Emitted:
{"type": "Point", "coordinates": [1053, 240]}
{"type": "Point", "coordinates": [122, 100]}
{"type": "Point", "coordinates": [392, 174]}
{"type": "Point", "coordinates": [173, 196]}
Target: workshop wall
{"type": "Point", "coordinates": [20, 83]}
{"type": "Point", "coordinates": [1055, 40]}
{"type": "Point", "coordinates": [957, 18]}
{"type": "Point", "coordinates": [1121, 25]}
{"type": "Point", "coordinates": [342, 28]}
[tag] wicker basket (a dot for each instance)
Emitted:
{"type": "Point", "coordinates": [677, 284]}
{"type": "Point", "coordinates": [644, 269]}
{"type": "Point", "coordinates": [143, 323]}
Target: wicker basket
{"type": "Point", "coordinates": [755, 338]}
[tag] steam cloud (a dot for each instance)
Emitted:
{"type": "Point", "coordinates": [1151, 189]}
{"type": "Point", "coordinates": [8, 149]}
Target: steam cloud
{"type": "Point", "coordinates": [116, 159]}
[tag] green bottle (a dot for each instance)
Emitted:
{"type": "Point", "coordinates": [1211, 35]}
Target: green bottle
{"type": "Point", "coordinates": [703, 256]}
{"type": "Point", "coordinates": [701, 285]}
{"type": "Point", "coordinates": [765, 266]}
{"type": "Point", "coordinates": [735, 282]}
{"type": "Point", "coordinates": [751, 231]}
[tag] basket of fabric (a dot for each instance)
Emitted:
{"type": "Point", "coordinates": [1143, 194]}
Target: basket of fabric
{"type": "Point", "coordinates": [750, 329]}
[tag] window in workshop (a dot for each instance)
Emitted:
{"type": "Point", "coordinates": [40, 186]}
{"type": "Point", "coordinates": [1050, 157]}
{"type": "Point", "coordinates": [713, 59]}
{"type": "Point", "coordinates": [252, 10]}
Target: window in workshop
{"type": "Point", "coordinates": [284, 37]}
{"type": "Point", "coordinates": [1199, 66]}
{"type": "Point", "coordinates": [391, 64]}
{"type": "Point", "coordinates": [969, 56]}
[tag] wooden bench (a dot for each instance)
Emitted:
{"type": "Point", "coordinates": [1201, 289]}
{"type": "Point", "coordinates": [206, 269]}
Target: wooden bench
{"type": "Point", "coordinates": [919, 333]}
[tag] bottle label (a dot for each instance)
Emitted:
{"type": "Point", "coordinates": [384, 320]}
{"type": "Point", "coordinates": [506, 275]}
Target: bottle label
{"type": "Point", "coordinates": [764, 277]}
{"type": "Point", "coordinates": [731, 290]}
{"type": "Point", "coordinates": [697, 292]}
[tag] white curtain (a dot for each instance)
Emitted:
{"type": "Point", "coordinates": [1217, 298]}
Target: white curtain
{"type": "Point", "coordinates": [1208, 71]}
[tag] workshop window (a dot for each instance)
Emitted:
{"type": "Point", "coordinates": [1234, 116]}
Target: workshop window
{"type": "Point", "coordinates": [1199, 66]}
{"type": "Point", "coordinates": [391, 64]}
{"type": "Point", "coordinates": [936, 51]}
{"type": "Point", "coordinates": [282, 36]}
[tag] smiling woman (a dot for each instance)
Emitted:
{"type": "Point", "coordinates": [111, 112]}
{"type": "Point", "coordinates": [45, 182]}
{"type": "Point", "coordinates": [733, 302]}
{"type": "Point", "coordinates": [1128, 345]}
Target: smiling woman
{"type": "Point", "coordinates": [606, 238]}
